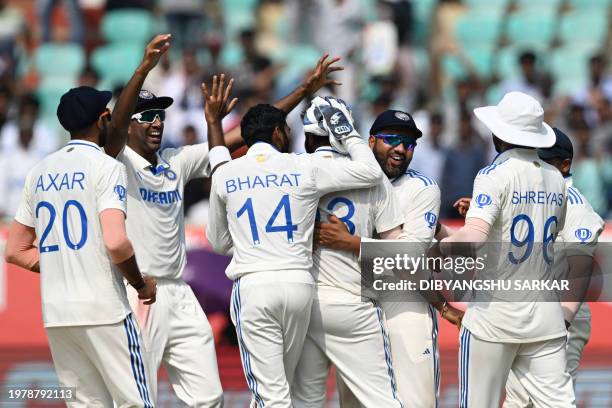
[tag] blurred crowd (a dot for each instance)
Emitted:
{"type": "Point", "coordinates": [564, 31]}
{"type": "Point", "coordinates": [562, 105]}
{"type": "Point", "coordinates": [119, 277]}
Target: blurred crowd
{"type": "Point", "coordinates": [435, 59]}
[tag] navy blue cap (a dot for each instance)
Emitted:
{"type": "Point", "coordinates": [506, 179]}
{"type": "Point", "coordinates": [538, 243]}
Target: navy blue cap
{"type": "Point", "coordinates": [79, 108]}
{"type": "Point", "coordinates": [562, 149]}
{"type": "Point", "coordinates": [147, 101]}
{"type": "Point", "coordinates": [397, 119]}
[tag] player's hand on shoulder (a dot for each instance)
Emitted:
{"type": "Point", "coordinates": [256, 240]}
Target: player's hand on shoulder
{"type": "Point", "coordinates": [149, 291]}
{"type": "Point", "coordinates": [462, 205]}
{"type": "Point", "coordinates": [319, 77]}
{"type": "Point", "coordinates": [217, 102]}
{"type": "Point", "coordinates": [154, 50]}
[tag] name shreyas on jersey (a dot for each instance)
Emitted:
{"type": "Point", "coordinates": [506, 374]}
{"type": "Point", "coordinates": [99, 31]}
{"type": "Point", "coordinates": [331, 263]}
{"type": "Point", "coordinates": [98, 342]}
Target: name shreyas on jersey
{"type": "Point", "coordinates": [537, 197]}
{"type": "Point", "coordinates": [60, 181]}
{"type": "Point", "coordinates": [160, 197]}
{"type": "Point", "coordinates": [248, 182]}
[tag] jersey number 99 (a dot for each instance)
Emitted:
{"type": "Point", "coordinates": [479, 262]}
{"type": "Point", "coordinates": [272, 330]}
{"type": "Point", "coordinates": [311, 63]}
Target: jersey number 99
{"type": "Point", "coordinates": [52, 213]}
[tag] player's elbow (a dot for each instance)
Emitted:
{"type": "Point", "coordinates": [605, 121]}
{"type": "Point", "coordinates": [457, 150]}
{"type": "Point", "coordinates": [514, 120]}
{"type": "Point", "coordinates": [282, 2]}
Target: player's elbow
{"type": "Point", "coordinates": [11, 255]}
{"type": "Point", "coordinates": [119, 249]}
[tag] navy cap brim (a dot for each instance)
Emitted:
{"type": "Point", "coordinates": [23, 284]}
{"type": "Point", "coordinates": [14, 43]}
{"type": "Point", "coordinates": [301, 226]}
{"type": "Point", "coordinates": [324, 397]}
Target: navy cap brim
{"type": "Point", "coordinates": [553, 153]}
{"type": "Point", "coordinates": [162, 102]}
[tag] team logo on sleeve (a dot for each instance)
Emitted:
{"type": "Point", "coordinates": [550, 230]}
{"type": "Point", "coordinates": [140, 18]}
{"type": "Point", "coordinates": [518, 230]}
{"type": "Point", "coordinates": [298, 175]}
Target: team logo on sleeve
{"type": "Point", "coordinates": [431, 219]}
{"type": "Point", "coordinates": [583, 234]}
{"type": "Point", "coordinates": [121, 192]}
{"type": "Point", "coordinates": [482, 200]}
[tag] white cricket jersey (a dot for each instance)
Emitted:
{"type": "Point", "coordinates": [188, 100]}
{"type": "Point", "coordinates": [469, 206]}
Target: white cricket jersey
{"type": "Point", "coordinates": [363, 211]}
{"type": "Point", "coordinates": [264, 204]}
{"type": "Point", "coordinates": [523, 199]}
{"type": "Point", "coordinates": [155, 221]}
{"type": "Point", "coordinates": [62, 199]}
{"type": "Point", "coordinates": [582, 225]}
{"type": "Point", "coordinates": [419, 198]}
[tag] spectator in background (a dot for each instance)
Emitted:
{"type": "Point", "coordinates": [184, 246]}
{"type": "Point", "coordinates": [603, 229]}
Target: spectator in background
{"type": "Point", "coordinates": [462, 163]}
{"type": "Point", "coordinates": [588, 172]}
{"type": "Point", "coordinates": [532, 81]}
{"type": "Point", "coordinates": [466, 99]}
{"type": "Point", "coordinates": [185, 21]}
{"type": "Point", "coordinates": [15, 166]}
{"type": "Point", "coordinates": [45, 10]}
{"type": "Point", "coordinates": [432, 155]}
{"type": "Point", "coordinates": [12, 23]}
{"type": "Point", "coordinates": [599, 89]}
{"type": "Point", "coordinates": [89, 77]}
{"type": "Point", "coordinates": [401, 11]}
{"type": "Point", "coordinates": [44, 140]}
{"type": "Point", "coordinates": [133, 4]}
{"type": "Point", "coordinates": [254, 69]}
{"type": "Point", "coordinates": [5, 104]}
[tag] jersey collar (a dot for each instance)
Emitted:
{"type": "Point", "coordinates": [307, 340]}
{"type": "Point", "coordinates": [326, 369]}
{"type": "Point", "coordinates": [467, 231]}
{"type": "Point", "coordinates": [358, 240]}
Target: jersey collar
{"type": "Point", "coordinates": [143, 164]}
{"type": "Point", "coordinates": [516, 152]}
{"type": "Point", "coordinates": [78, 142]}
{"type": "Point", "coordinates": [569, 181]}
{"type": "Point", "coordinates": [261, 148]}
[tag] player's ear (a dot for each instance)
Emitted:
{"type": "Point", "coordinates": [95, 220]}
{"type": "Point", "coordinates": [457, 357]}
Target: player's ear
{"type": "Point", "coordinates": [566, 166]}
{"type": "Point", "coordinates": [371, 141]}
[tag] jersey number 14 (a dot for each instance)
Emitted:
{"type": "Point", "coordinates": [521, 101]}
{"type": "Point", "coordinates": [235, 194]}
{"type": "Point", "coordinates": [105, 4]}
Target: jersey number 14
{"type": "Point", "coordinates": [283, 205]}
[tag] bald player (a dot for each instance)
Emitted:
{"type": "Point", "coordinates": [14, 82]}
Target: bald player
{"type": "Point", "coordinates": [74, 206]}
{"type": "Point", "coordinates": [521, 202]}
{"type": "Point", "coordinates": [346, 330]}
{"type": "Point", "coordinates": [263, 205]}
{"type": "Point", "coordinates": [412, 322]}
{"type": "Point", "coordinates": [582, 228]}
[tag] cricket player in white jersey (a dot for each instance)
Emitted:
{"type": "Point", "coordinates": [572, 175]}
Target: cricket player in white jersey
{"type": "Point", "coordinates": [412, 323]}
{"type": "Point", "coordinates": [74, 204]}
{"type": "Point", "coordinates": [582, 227]}
{"type": "Point", "coordinates": [175, 329]}
{"type": "Point", "coordinates": [520, 202]}
{"type": "Point", "coordinates": [264, 206]}
{"type": "Point", "coordinates": [346, 330]}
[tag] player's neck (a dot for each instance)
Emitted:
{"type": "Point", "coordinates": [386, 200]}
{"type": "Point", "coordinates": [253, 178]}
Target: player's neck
{"type": "Point", "coordinates": [148, 156]}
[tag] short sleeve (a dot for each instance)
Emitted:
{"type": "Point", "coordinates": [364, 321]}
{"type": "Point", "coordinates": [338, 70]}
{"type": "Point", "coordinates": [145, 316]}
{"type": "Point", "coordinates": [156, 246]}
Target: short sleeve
{"type": "Point", "coordinates": [486, 198]}
{"type": "Point", "coordinates": [581, 231]}
{"type": "Point", "coordinates": [388, 214]}
{"type": "Point", "coordinates": [111, 187]}
{"type": "Point", "coordinates": [194, 161]}
{"type": "Point", "coordinates": [421, 210]}
{"type": "Point", "coordinates": [25, 213]}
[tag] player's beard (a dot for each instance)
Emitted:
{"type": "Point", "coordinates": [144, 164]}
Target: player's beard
{"type": "Point", "coordinates": [390, 170]}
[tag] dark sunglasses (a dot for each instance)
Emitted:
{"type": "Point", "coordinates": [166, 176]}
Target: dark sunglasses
{"type": "Point", "coordinates": [395, 140]}
{"type": "Point", "coordinates": [149, 116]}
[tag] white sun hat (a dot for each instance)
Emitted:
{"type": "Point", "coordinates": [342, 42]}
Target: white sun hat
{"type": "Point", "coordinates": [517, 119]}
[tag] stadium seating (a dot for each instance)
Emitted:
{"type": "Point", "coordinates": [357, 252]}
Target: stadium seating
{"type": "Point", "coordinates": [478, 28]}
{"type": "Point", "coordinates": [59, 60]}
{"type": "Point", "coordinates": [570, 63]}
{"type": "Point", "coordinates": [526, 29]}
{"type": "Point", "coordinates": [128, 26]}
{"type": "Point", "coordinates": [116, 62]}
{"type": "Point", "coordinates": [590, 4]}
{"type": "Point", "coordinates": [584, 27]}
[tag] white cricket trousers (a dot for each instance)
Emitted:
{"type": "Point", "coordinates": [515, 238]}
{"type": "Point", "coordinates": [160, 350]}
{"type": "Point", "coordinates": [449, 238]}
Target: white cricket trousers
{"type": "Point", "coordinates": [578, 337]}
{"type": "Point", "coordinates": [105, 363]}
{"type": "Point", "coordinates": [539, 366]}
{"type": "Point", "coordinates": [350, 334]}
{"type": "Point", "coordinates": [176, 333]}
{"type": "Point", "coordinates": [271, 311]}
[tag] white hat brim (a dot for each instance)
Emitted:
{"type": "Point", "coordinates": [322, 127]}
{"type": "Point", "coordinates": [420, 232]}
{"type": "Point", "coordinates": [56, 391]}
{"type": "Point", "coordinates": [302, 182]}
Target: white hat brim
{"type": "Point", "coordinates": [508, 133]}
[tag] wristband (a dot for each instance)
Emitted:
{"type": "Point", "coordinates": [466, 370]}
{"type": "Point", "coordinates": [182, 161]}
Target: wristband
{"type": "Point", "coordinates": [218, 155]}
{"type": "Point", "coordinates": [141, 285]}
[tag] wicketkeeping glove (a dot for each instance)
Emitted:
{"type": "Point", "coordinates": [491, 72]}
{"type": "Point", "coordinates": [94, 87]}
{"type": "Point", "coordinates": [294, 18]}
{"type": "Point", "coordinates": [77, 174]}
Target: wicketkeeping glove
{"type": "Point", "coordinates": [337, 120]}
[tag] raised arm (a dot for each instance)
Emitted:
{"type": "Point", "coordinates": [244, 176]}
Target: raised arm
{"type": "Point", "coordinates": [122, 113]}
{"type": "Point", "coordinates": [216, 106]}
{"type": "Point", "coordinates": [318, 78]}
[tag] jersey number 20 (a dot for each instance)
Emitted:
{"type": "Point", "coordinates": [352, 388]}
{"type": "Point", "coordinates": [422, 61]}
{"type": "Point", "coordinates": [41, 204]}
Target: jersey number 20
{"type": "Point", "coordinates": [52, 213]}
{"type": "Point", "coordinates": [283, 204]}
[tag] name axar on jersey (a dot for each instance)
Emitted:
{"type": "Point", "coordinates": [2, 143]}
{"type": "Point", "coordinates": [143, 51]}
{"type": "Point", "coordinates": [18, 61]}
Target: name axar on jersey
{"type": "Point", "coordinates": [264, 205]}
